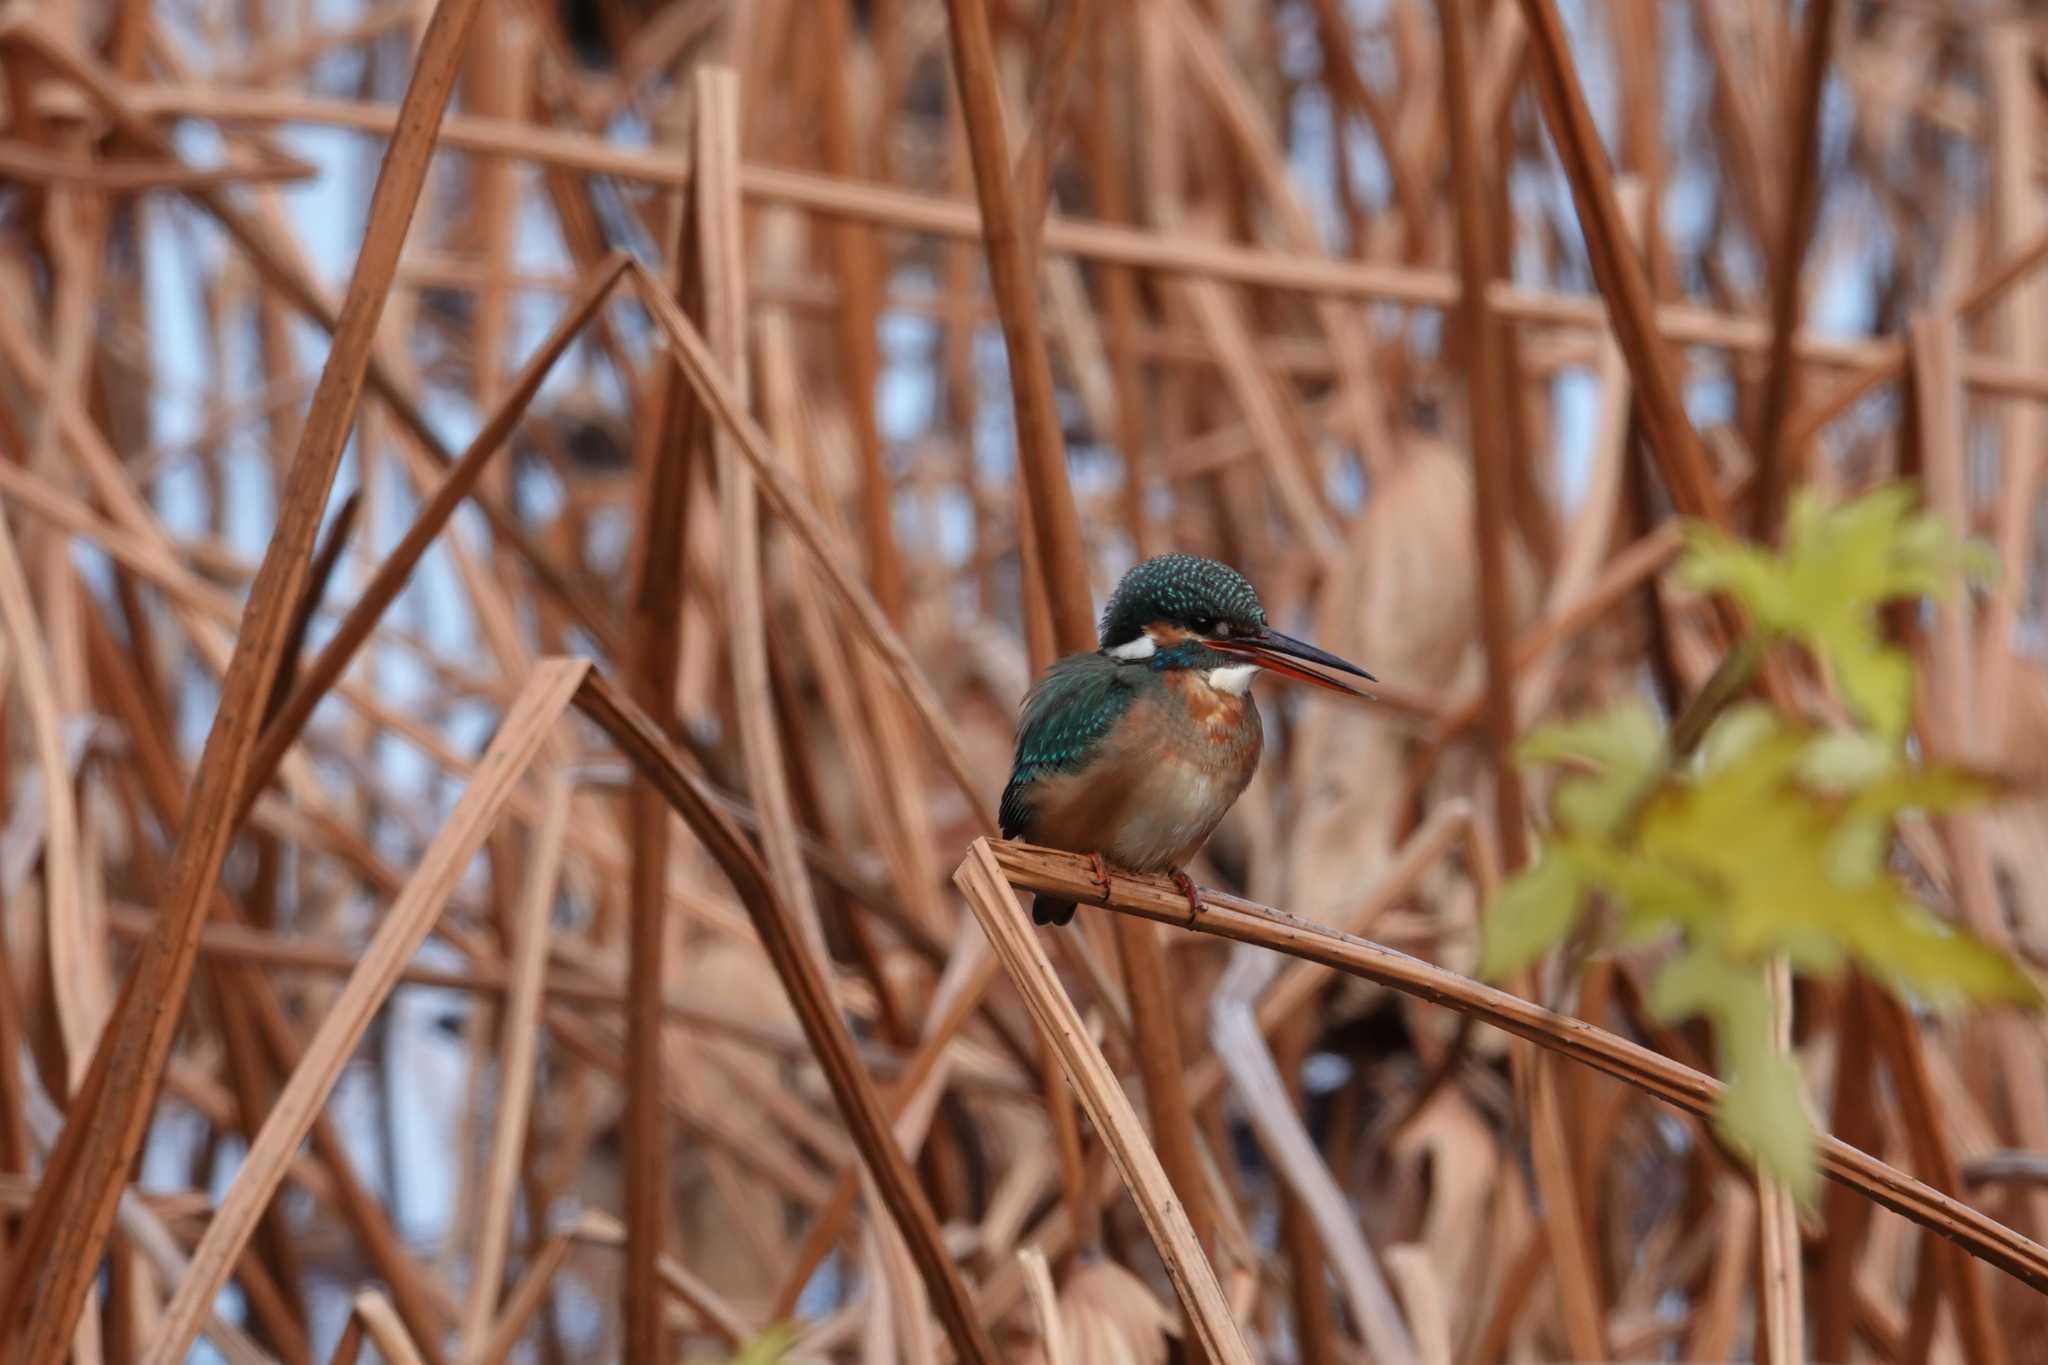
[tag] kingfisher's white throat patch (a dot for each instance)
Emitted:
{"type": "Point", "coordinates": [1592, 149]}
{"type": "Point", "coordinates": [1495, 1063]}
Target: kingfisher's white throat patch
{"type": "Point", "coordinates": [1236, 679]}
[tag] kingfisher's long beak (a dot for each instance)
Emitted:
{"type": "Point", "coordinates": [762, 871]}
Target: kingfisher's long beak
{"type": "Point", "coordinates": [1285, 655]}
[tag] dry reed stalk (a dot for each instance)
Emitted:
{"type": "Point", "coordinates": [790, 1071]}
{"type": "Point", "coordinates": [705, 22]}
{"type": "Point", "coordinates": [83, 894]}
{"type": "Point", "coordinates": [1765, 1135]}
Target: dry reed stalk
{"type": "Point", "coordinates": [376, 596]}
{"type": "Point", "coordinates": [1485, 414]}
{"type": "Point", "coordinates": [1780, 1269]}
{"type": "Point", "coordinates": [1050, 88]}
{"type": "Point", "coordinates": [911, 211]}
{"type": "Point", "coordinates": [723, 269]}
{"type": "Point", "coordinates": [526, 727]}
{"type": "Point", "coordinates": [657, 630]}
{"type": "Point", "coordinates": [1047, 871]}
{"type": "Point", "coordinates": [1618, 268]}
{"type": "Point", "coordinates": [523, 1302]}
{"type": "Point", "coordinates": [937, 1037]}
{"type": "Point", "coordinates": [782, 494]}
{"type": "Point", "coordinates": [1012, 275]}
{"type": "Point", "coordinates": [518, 1032]}
{"type": "Point", "coordinates": [72, 965]}
{"type": "Point", "coordinates": [138, 1038]}
{"type": "Point", "coordinates": [1782, 466]}
{"type": "Point", "coordinates": [853, 259]}
{"type": "Point", "coordinates": [1208, 1318]}
{"type": "Point", "coordinates": [852, 1089]}
{"type": "Point", "coordinates": [417, 1296]}
{"type": "Point", "coordinates": [383, 1329]}
{"type": "Point", "coordinates": [714, 1312]}
{"type": "Point", "coordinates": [2016, 219]}
{"type": "Point", "coordinates": [1952, 726]}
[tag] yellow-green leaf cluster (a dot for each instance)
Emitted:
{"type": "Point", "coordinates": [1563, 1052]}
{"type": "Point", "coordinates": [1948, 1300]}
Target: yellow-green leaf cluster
{"type": "Point", "coordinates": [1774, 838]}
{"type": "Point", "coordinates": [1838, 566]}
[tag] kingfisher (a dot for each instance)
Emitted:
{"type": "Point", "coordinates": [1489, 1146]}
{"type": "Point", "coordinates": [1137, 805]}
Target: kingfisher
{"type": "Point", "coordinates": [1133, 754]}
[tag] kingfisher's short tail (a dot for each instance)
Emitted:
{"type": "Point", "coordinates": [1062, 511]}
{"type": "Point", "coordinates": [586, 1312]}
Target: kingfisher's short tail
{"type": "Point", "coordinates": [1046, 910]}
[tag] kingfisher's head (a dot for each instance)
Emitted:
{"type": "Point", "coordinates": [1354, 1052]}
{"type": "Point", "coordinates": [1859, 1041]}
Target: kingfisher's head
{"type": "Point", "coordinates": [1184, 611]}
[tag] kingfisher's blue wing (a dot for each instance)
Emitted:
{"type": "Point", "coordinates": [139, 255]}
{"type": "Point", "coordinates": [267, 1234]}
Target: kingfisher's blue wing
{"type": "Point", "coordinates": [1065, 718]}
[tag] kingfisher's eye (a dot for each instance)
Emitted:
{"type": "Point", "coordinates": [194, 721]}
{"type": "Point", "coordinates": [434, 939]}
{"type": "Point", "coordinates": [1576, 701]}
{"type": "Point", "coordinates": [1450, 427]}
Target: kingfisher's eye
{"type": "Point", "coordinates": [1203, 625]}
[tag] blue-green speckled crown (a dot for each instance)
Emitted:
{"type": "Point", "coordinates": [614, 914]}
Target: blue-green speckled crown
{"type": "Point", "coordinates": [1184, 589]}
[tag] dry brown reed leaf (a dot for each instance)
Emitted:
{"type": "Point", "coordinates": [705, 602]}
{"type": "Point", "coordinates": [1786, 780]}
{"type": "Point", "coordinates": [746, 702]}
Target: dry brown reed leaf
{"type": "Point", "coordinates": [1052, 1332]}
{"type": "Point", "coordinates": [1465, 1164]}
{"type": "Point", "coordinates": [1403, 598]}
{"type": "Point", "coordinates": [1107, 1316]}
{"type": "Point", "coordinates": [1423, 1302]}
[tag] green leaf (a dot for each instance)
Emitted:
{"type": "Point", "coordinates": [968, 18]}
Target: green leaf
{"type": "Point", "coordinates": [1762, 1113]}
{"type": "Point", "coordinates": [768, 1348]}
{"type": "Point", "coordinates": [1625, 735]}
{"type": "Point", "coordinates": [1855, 855]}
{"type": "Point", "coordinates": [1838, 565]}
{"type": "Point", "coordinates": [1874, 678]}
{"type": "Point", "coordinates": [1844, 760]}
{"type": "Point", "coordinates": [1624, 744]}
{"type": "Point", "coordinates": [1716, 562]}
{"type": "Point", "coordinates": [1532, 914]}
{"type": "Point", "coordinates": [1910, 948]}
{"type": "Point", "coordinates": [1932, 790]}
{"type": "Point", "coordinates": [1739, 730]}
{"type": "Point", "coordinates": [1763, 1116]}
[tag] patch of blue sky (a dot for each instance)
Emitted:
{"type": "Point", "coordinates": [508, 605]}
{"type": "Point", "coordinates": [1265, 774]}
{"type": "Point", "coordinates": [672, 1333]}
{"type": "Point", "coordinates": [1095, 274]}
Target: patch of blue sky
{"type": "Point", "coordinates": [907, 387]}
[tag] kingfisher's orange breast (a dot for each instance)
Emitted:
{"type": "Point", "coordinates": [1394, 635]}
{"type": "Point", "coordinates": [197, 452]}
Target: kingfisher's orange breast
{"type": "Point", "coordinates": [1215, 715]}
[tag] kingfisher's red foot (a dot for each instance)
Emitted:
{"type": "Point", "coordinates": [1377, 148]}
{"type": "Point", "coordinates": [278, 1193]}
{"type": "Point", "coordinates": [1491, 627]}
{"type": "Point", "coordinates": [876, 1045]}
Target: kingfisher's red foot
{"type": "Point", "coordinates": [1101, 875]}
{"type": "Point", "coordinates": [1186, 886]}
